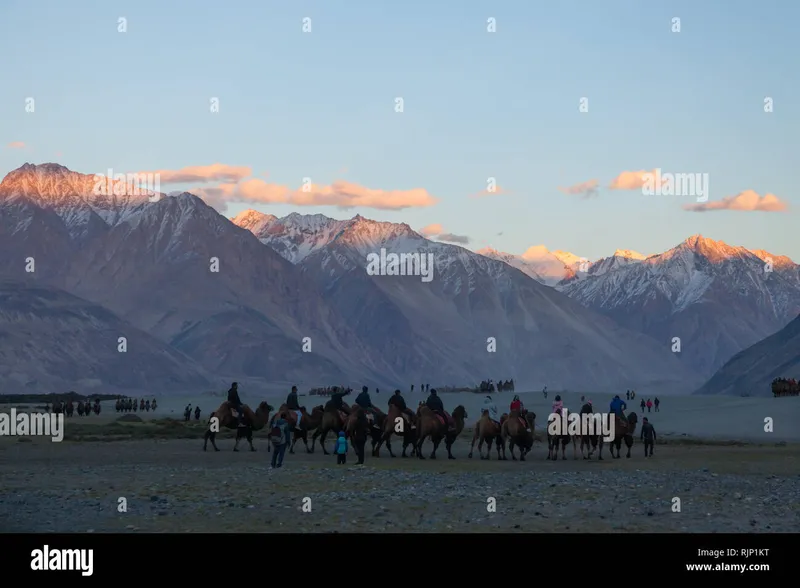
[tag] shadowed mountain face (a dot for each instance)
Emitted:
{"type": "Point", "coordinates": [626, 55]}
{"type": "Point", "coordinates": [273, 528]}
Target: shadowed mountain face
{"type": "Point", "coordinates": [477, 318]}
{"type": "Point", "coordinates": [751, 372]}
{"type": "Point", "coordinates": [52, 341]}
{"type": "Point", "coordinates": [180, 271]}
{"type": "Point", "coordinates": [715, 298]}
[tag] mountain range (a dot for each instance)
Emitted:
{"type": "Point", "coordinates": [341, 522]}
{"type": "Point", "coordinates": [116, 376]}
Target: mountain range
{"type": "Point", "coordinates": [200, 299]}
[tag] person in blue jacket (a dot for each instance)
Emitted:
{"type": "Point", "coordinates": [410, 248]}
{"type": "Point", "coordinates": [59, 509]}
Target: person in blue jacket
{"type": "Point", "coordinates": [341, 449]}
{"type": "Point", "coordinates": [617, 406]}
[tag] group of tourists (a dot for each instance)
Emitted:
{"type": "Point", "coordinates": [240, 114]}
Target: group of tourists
{"type": "Point", "coordinates": [785, 387]}
{"type": "Point", "coordinates": [187, 413]}
{"type": "Point", "coordinates": [133, 405]}
{"type": "Point", "coordinates": [501, 386]}
{"type": "Point", "coordinates": [69, 408]}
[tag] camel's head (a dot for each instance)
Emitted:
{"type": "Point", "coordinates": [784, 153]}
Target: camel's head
{"type": "Point", "coordinates": [459, 412]}
{"type": "Point", "coordinates": [318, 409]}
{"type": "Point", "coordinates": [265, 407]}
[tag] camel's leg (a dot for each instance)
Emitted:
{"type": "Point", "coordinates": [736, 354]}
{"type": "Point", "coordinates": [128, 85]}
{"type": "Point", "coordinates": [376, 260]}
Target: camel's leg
{"type": "Point", "coordinates": [436, 443]}
{"type": "Point", "coordinates": [250, 439]}
{"type": "Point", "coordinates": [210, 436]}
{"type": "Point", "coordinates": [449, 445]}
{"type": "Point", "coordinates": [472, 446]}
{"type": "Point", "coordinates": [236, 444]}
{"type": "Point", "coordinates": [501, 446]}
{"type": "Point", "coordinates": [322, 441]}
{"type": "Point", "coordinates": [489, 442]}
{"type": "Point", "coordinates": [574, 448]}
{"type": "Point", "coordinates": [419, 446]}
{"type": "Point", "coordinates": [629, 443]}
{"type": "Point", "coordinates": [387, 440]}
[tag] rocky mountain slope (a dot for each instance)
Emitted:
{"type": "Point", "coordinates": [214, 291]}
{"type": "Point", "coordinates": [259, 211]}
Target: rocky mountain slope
{"type": "Point", "coordinates": [750, 372]}
{"type": "Point", "coordinates": [444, 327]}
{"type": "Point", "coordinates": [715, 298]}
{"type": "Point", "coordinates": [53, 341]}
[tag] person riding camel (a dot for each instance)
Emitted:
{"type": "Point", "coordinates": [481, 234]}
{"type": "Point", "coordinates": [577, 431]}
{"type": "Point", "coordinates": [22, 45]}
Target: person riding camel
{"type": "Point", "coordinates": [365, 402]}
{"type": "Point", "coordinates": [397, 400]}
{"type": "Point", "coordinates": [617, 406]}
{"type": "Point", "coordinates": [558, 405]}
{"type": "Point", "coordinates": [293, 404]}
{"type": "Point", "coordinates": [291, 400]}
{"type": "Point", "coordinates": [516, 406]}
{"type": "Point", "coordinates": [336, 402]}
{"type": "Point", "coordinates": [435, 404]}
{"type": "Point", "coordinates": [490, 407]}
{"type": "Point", "coordinates": [236, 403]}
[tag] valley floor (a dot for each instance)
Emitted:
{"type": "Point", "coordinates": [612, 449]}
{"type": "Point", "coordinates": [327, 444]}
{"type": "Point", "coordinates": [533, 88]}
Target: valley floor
{"type": "Point", "coordinates": [171, 485]}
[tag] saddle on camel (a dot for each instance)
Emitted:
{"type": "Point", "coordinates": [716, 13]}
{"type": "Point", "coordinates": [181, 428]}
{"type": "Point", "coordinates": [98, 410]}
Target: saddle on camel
{"type": "Point", "coordinates": [373, 414]}
{"type": "Point", "coordinates": [435, 404]}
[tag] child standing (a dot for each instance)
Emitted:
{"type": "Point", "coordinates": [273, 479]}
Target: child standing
{"type": "Point", "coordinates": [341, 449]}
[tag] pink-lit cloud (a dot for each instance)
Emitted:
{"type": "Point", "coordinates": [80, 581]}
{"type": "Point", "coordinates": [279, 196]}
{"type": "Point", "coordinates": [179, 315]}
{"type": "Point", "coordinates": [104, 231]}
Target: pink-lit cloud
{"type": "Point", "coordinates": [341, 194]}
{"type": "Point", "coordinates": [203, 174]}
{"type": "Point", "coordinates": [586, 189]}
{"type": "Point", "coordinates": [16, 145]}
{"type": "Point", "coordinates": [632, 180]}
{"type": "Point", "coordinates": [436, 231]}
{"type": "Point", "coordinates": [497, 191]}
{"type": "Point", "coordinates": [747, 201]}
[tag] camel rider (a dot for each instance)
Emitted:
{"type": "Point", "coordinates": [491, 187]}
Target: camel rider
{"type": "Point", "coordinates": [490, 407]}
{"type": "Point", "coordinates": [336, 402]}
{"type": "Point", "coordinates": [365, 402]}
{"type": "Point", "coordinates": [291, 400]}
{"type": "Point", "coordinates": [235, 402]}
{"type": "Point", "coordinates": [435, 404]}
{"type": "Point", "coordinates": [400, 402]}
{"type": "Point", "coordinates": [558, 405]}
{"type": "Point", "coordinates": [516, 406]}
{"type": "Point", "coordinates": [617, 406]}
{"type": "Point", "coordinates": [294, 405]}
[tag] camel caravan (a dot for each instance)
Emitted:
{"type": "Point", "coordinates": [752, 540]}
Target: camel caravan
{"type": "Point", "coordinates": [490, 386]}
{"type": "Point", "coordinates": [782, 387]}
{"type": "Point", "coordinates": [132, 405]}
{"type": "Point", "coordinates": [70, 407]}
{"type": "Point", "coordinates": [364, 422]}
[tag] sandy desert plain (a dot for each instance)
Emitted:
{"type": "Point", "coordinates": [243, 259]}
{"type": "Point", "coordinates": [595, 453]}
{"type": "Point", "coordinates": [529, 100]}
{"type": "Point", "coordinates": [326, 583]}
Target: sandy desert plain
{"type": "Point", "coordinates": [712, 454]}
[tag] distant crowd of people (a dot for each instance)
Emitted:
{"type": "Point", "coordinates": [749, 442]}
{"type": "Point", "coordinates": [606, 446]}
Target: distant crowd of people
{"type": "Point", "coordinates": [187, 413]}
{"type": "Point", "coordinates": [501, 386]}
{"type": "Point", "coordinates": [785, 387]}
{"type": "Point", "coordinates": [133, 405]}
{"type": "Point", "coordinates": [69, 408]}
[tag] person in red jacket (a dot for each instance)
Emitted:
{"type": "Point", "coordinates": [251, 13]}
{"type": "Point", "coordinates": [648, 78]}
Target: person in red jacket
{"type": "Point", "coordinates": [516, 406]}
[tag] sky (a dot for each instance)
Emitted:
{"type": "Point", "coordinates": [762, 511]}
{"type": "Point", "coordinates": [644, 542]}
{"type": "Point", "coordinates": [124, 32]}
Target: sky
{"type": "Point", "coordinates": [484, 103]}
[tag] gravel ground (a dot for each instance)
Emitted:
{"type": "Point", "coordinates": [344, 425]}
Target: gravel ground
{"type": "Point", "coordinates": [173, 486]}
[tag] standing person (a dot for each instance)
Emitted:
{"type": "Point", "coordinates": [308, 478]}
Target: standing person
{"type": "Point", "coordinates": [649, 437]}
{"type": "Point", "coordinates": [341, 449]}
{"type": "Point", "coordinates": [656, 403]}
{"type": "Point", "coordinates": [544, 391]}
{"type": "Point", "coordinates": [649, 405]}
{"type": "Point", "coordinates": [627, 395]}
{"type": "Point", "coordinates": [643, 404]}
{"type": "Point", "coordinates": [279, 437]}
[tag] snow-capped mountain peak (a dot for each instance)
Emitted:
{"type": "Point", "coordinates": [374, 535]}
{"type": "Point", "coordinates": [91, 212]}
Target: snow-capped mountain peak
{"type": "Point", "coordinates": [87, 203]}
{"type": "Point", "coordinates": [629, 254]}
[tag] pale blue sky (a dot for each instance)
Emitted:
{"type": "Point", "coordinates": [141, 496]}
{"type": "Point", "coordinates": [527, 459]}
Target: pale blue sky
{"type": "Point", "coordinates": [477, 105]}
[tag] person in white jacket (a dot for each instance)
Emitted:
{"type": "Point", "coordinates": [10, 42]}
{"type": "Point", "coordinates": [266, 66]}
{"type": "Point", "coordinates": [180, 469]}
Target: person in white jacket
{"type": "Point", "coordinates": [490, 407]}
